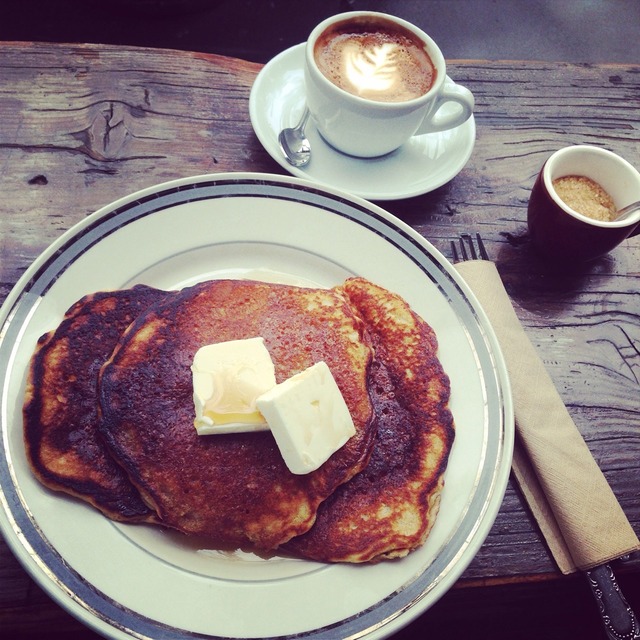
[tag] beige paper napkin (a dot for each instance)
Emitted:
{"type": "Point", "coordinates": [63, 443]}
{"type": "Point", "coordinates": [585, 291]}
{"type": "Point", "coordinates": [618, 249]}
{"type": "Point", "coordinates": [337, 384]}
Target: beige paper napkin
{"type": "Point", "coordinates": [569, 496]}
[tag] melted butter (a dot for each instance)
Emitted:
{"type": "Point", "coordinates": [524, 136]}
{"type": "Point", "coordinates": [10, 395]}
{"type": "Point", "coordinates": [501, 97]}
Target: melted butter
{"type": "Point", "coordinates": [235, 390]}
{"type": "Point", "coordinates": [227, 379]}
{"type": "Point", "coordinates": [308, 417]}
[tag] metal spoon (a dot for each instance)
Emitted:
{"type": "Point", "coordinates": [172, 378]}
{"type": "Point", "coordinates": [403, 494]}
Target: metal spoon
{"type": "Point", "coordinates": [627, 211]}
{"type": "Point", "coordinates": [294, 144]}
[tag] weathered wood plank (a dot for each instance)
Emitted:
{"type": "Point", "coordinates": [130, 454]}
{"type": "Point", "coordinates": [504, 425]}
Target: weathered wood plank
{"type": "Point", "coordinates": [82, 125]}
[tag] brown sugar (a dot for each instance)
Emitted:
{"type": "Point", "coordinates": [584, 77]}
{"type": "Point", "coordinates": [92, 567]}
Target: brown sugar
{"type": "Point", "coordinates": [586, 197]}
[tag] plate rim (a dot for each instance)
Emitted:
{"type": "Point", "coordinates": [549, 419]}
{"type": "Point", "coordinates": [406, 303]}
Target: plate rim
{"type": "Point", "coordinates": [33, 563]}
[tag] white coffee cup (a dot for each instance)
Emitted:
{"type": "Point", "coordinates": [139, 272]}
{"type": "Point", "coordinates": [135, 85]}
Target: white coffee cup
{"type": "Point", "coordinates": [368, 128]}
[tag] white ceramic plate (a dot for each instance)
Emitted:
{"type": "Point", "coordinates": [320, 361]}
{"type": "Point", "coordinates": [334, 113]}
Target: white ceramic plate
{"type": "Point", "coordinates": [421, 165]}
{"type": "Point", "coordinates": [129, 581]}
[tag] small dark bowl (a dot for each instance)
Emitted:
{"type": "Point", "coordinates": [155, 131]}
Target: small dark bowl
{"type": "Point", "coordinates": [562, 234]}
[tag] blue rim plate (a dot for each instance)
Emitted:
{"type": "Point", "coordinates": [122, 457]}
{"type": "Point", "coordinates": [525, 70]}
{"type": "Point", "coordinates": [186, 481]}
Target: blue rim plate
{"type": "Point", "coordinates": [133, 581]}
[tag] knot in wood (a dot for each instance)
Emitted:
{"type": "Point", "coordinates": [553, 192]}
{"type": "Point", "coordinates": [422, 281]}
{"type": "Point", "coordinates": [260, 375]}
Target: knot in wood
{"type": "Point", "coordinates": [108, 134]}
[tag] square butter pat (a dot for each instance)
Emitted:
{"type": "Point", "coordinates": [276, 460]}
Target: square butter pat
{"type": "Point", "coordinates": [227, 379]}
{"type": "Point", "coordinates": [308, 417]}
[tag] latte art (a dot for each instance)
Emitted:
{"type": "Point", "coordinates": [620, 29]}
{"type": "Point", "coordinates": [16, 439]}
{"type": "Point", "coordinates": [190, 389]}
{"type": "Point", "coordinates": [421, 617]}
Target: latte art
{"type": "Point", "coordinates": [375, 64]}
{"type": "Point", "coordinates": [370, 70]}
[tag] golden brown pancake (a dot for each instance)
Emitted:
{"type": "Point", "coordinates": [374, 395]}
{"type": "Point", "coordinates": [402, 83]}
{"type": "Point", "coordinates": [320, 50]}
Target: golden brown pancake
{"type": "Point", "coordinates": [389, 508]}
{"type": "Point", "coordinates": [61, 411]}
{"type": "Point", "coordinates": [234, 488]}
{"type": "Point", "coordinates": [376, 498]}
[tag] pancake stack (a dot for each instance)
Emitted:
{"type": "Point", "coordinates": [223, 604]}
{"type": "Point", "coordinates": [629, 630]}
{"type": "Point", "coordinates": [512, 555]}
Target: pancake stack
{"type": "Point", "coordinates": [108, 417]}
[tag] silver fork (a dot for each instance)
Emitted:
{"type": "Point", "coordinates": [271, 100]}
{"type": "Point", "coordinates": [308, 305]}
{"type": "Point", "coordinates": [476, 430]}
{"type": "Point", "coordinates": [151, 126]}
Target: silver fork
{"type": "Point", "coordinates": [619, 620]}
{"type": "Point", "coordinates": [468, 248]}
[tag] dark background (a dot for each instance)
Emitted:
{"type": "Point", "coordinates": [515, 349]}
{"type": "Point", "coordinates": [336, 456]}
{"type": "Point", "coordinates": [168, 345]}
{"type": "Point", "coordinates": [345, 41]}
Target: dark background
{"type": "Point", "coordinates": [579, 31]}
{"type": "Point", "coordinates": [588, 31]}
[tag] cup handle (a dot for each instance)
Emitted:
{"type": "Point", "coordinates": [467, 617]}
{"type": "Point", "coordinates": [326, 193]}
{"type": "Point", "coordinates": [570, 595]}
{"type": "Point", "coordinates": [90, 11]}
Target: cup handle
{"type": "Point", "coordinates": [450, 118]}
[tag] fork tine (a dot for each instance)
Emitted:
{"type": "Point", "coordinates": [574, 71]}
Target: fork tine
{"type": "Point", "coordinates": [483, 252]}
{"type": "Point", "coordinates": [472, 248]}
{"type": "Point", "coordinates": [454, 251]}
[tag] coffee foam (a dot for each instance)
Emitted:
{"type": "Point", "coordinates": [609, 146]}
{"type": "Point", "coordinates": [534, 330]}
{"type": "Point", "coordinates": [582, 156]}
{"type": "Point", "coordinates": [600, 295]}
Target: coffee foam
{"type": "Point", "coordinates": [378, 65]}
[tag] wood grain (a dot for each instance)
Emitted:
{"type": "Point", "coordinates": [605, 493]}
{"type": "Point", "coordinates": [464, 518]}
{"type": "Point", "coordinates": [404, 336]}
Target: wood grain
{"type": "Point", "coordinates": [82, 125]}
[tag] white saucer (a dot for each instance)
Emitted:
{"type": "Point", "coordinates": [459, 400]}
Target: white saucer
{"type": "Point", "coordinates": [421, 165]}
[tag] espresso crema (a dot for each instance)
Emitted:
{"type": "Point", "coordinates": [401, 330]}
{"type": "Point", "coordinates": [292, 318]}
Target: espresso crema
{"type": "Point", "coordinates": [377, 61]}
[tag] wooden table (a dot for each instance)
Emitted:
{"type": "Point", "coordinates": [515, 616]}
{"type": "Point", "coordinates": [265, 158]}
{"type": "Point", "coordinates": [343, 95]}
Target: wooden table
{"type": "Point", "coordinates": [83, 125]}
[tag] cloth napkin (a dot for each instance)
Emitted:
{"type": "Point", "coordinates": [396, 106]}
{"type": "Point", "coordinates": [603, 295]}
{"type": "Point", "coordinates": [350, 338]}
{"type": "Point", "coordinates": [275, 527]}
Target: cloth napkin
{"type": "Point", "coordinates": [567, 493]}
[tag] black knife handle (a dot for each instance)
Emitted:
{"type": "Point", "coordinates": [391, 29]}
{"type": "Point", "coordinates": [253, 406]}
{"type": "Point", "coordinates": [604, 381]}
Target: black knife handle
{"type": "Point", "coordinates": [620, 623]}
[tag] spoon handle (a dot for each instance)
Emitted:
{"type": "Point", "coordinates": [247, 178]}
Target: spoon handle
{"type": "Point", "coordinates": [625, 212]}
{"type": "Point", "coordinates": [305, 118]}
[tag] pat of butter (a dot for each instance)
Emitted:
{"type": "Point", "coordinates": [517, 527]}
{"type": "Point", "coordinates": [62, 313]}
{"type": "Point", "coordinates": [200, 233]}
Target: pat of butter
{"type": "Point", "coordinates": [308, 417]}
{"type": "Point", "coordinates": [227, 379]}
